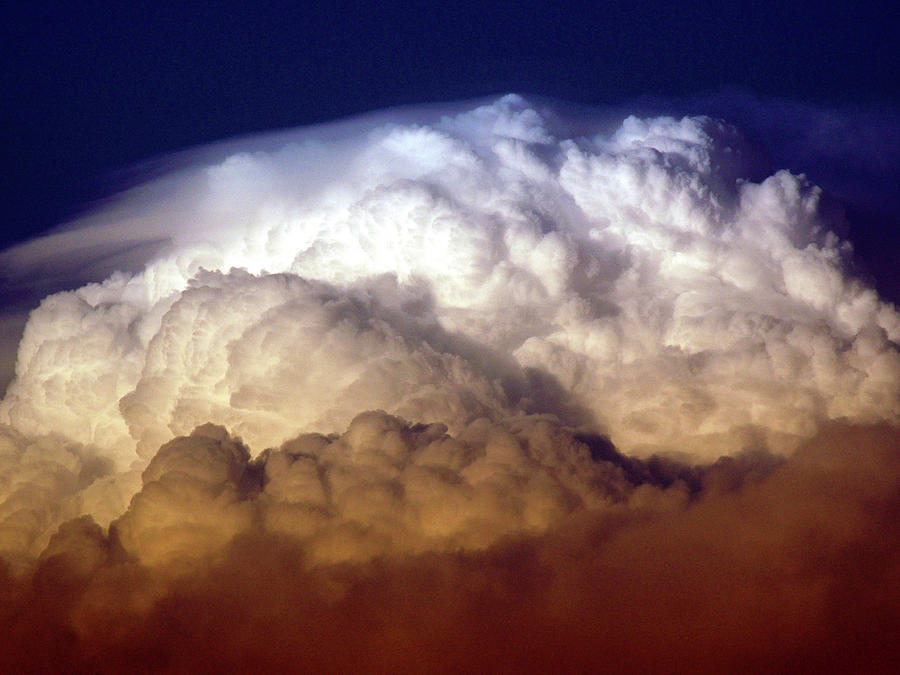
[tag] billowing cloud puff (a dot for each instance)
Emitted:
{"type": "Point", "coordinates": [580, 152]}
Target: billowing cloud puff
{"type": "Point", "coordinates": [465, 267]}
{"type": "Point", "coordinates": [745, 566]}
{"type": "Point", "coordinates": [269, 356]}
{"type": "Point", "coordinates": [48, 480]}
{"type": "Point", "coordinates": [384, 487]}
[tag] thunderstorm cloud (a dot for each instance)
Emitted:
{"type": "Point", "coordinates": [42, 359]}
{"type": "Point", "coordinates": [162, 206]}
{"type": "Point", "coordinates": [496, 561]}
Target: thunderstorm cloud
{"type": "Point", "coordinates": [485, 386]}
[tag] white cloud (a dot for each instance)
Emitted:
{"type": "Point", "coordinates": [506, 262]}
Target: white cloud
{"type": "Point", "coordinates": [483, 264]}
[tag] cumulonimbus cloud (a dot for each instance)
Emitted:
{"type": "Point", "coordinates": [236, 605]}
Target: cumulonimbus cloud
{"type": "Point", "coordinates": [679, 306]}
{"type": "Point", "coordinates": [496, 337]}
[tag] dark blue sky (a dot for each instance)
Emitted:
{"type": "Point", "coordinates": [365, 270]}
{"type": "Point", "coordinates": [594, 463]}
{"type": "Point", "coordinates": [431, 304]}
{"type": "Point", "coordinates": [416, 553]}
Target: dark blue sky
{"type": "Point", "coordinates": [93, 87]}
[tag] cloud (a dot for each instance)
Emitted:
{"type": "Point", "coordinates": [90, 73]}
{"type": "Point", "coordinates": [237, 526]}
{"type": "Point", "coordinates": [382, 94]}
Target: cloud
{"type": "Point", "coordinates": [764, 563]}
{"type": "Point", "coordinates": [675, 304]}
{"type": "Point", "coordinates": [47, 480]}
{"type": "Point", "coordinates": [490, 385]}
{"type": "Point", "coordinates": [382, 487]}
{"type": "Point", "coordinates": [276, 354]}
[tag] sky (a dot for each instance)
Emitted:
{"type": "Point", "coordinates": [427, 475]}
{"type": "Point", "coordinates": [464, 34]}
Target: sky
{"type": "Point", "coordinates": [479, 336]}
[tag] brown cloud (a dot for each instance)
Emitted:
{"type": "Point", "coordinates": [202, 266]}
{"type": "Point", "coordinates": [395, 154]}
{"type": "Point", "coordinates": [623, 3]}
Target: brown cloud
{"type": "Point", "coordinates": [786, 569]}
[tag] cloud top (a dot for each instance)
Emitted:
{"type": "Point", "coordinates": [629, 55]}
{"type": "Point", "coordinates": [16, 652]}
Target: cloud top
{"type": "Point", "coordinates": [464, 267]}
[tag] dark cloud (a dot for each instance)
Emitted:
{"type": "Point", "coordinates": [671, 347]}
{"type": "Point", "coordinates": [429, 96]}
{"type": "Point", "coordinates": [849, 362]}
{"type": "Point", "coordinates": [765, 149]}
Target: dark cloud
{"type": "Point", "coordinates": [760, 570]}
